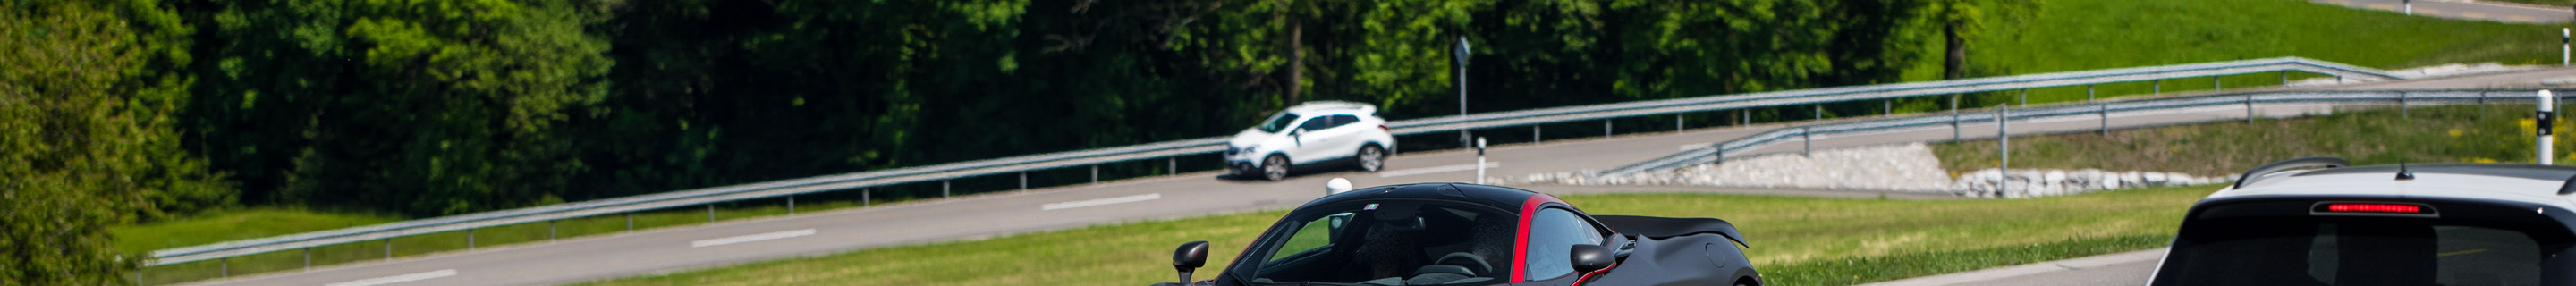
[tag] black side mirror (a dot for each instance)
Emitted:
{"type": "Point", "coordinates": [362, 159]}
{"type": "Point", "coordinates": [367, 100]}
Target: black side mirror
{"type": "Point", "coordinates": [1189, 257]}
{"type": "Point", "coordinates": [1588, 258]}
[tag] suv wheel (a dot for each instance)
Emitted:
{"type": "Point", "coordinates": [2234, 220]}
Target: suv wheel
{"type": "Point", "coordinates": [1274, 168]}
{"type": "Point", "coordinates": [1372, 158]}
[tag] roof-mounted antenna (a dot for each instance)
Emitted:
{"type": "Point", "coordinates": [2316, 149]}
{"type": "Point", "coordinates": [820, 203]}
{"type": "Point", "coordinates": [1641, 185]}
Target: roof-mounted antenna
{"type": "Point", "coordinates": [2402, 173]}
{"type": "Point", "coordinates": [2569, 188]}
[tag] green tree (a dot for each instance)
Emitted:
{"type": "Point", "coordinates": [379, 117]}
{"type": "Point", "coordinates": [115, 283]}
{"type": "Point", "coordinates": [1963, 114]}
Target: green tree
{"type": "Point", "coordinates": [424, 107]}
{"type": "Point", "coordinates": [86, 109]}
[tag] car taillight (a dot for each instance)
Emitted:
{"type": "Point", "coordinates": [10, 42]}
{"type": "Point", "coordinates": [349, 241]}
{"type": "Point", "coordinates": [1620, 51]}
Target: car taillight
{"type": "Point", "coordinates": [2374, 208]}
{"type": "Point", "coordinates": [1382, 127]}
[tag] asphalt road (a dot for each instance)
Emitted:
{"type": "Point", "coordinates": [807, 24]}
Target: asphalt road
{"type": "Point", "coordinates": [2465, 9]}
{"type": "Point", "coordinates": [1194, 194]}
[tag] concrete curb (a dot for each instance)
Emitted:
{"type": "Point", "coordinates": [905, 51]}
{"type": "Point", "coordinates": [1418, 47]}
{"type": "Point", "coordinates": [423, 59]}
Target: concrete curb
{"type": "Point", "coordinates": [1966, 278]}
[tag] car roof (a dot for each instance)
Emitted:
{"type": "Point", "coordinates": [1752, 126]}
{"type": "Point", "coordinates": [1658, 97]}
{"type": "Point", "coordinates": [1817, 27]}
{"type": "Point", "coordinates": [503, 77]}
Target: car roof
{"type": "Point", "coordinates": [1494, 196]}
{"type": "Point", "coordinates": [2507, 182]}
{"type": "Point", "coordinates": [1333, 107]}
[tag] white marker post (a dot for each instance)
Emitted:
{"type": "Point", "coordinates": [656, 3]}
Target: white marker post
{"type": "Point", "coordinates": [2410, 7]}
{"type": "Point", "coordinates": [1337, 186]}
{"type": "Point", "coordinates": [1480, 160]}
{"type": "Point", "coordinates": [2543, 120]}
{"type": "Point", "coordinates": [2562, 46]}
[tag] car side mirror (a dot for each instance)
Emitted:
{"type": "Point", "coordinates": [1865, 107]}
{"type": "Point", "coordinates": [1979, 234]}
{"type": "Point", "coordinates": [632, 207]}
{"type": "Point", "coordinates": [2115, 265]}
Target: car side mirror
{"type": "Point", "coordinates": [1588, 258]}
{"type": "Point", "coordinates": [1189, 257]}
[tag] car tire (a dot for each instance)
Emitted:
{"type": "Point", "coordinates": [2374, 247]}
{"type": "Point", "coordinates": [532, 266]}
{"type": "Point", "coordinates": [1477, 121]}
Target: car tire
{"type": "Point", "coordinates": [1372, 158]}
{"type": "Point", "coordinates": [1274, 168]}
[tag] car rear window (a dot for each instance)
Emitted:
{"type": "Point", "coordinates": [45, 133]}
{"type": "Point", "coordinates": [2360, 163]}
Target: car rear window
{"type": "Point", "coordinates": [2327, 250]}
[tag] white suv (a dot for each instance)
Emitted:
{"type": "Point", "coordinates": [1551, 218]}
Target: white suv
{"type": "Point", "coordinates": [1314, 132]}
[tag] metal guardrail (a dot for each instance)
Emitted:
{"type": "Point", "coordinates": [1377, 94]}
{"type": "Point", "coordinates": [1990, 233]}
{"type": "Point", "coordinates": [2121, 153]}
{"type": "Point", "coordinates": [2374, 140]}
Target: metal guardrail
{"type": "Point", "coordinates": [1717, 152]}
{"type": "Point", "coordinates": [1171, 149]}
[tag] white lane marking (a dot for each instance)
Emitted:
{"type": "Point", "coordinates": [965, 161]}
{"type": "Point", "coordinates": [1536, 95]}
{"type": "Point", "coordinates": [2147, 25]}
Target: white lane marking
{"type": "Point", "coordinates": [2384, 7]}
{"type": "Point", "coordinates": [1435, 170]}
{"type": "Point", "coordinates": [751, 238]}
{"type": "Point", "coordinates": [396, 278]}
{"type": "Point", "coordinates": [1100, 202]}
{"type": "Point", "coordinates": [2473, 15]}
{"type": "Point", "coordinates": [2518, 18]}
{"type": "Point", "coordinates": [1694, 146]}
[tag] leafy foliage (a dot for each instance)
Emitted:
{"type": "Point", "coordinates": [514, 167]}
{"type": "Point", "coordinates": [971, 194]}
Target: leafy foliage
{"type": "Point", "coordinates": [85, 105]}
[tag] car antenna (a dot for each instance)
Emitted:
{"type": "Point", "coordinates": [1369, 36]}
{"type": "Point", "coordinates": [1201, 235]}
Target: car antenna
{"type": "Point", "coordinates": [2402, 173]}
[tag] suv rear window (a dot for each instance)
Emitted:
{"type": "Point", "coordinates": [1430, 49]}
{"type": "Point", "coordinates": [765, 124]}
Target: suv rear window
{"type": "Point", "coordinates": [2331, 250]}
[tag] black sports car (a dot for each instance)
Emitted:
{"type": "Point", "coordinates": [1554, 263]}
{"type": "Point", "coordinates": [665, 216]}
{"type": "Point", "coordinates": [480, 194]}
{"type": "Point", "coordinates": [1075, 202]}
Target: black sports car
{"type": "Point", "coordinates": [1464, 234]}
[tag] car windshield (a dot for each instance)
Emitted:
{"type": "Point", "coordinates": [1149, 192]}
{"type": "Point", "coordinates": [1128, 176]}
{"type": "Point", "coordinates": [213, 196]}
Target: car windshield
{"type": "Point", "coordinates": [2359, 251]}
{"type": "Point", "coordinates": [1386, 243]}
{"type": "Point", "coordinates": [1278, 122]}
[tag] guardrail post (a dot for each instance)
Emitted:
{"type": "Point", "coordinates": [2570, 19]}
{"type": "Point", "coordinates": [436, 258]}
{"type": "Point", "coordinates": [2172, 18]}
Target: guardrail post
{"type": "Point", "coordinates": [2285, 78]}
{"type": "Point", "coordinates": [1534, 138]}
{"type": "Point", "coordinates": [2401, 106]}
{"type": "Point", "coordinates": [943, 184]}
{"type": "Point", "coordinates": [1024, 180]}
{"type": "Point", "coordinates": [630, 222]}
{"type": "Point", "coordinates": [2003, 149]}
{"type": "Point", "coordinates": [2249, 108]}
{"type": "Point", "coordinates": [1888, 106]}
{"type": "Point", "coordinates": [2159, 87]}
{"type": "Point", "coordinates": [711, 213]}
{"type": "Point", "coordinates": [224, 267]}
{"type": "Point", "coordinates": [389, 245]}
{"type": "Point", "coordinates": [791, 204]}
{"type": "Point", "coordinates": [2025, 97]}
{"type": "Point", "coordinates": [1748, 117]}
{"type": "Point", "coordinates": [1605, 128]}
{"type": "Point", "coordinates": [1095, 174]}
{"type": "Point", "coordinates": [2088, 92]}
{"type": "Point", "coordinates": [1820, 111]}
{"type": "Point", "coordinates": [1173, 164]}
{"type": "Point", "coordinates": [1677, 122]}
{"type": "Point", "coordinates": [1954, 126]}
{"type": "Point", "coordinates": [550, 226]}
{"type": "Point", "coordinates": [308, 259]}
{"type": "Point", "coordinates": [2106, 118]}
{"type": "Point", "coordinates": [2214, 83]}
{"type": "Point", "coordinates": [469, 239]}
{"type": "Point", "coordinates": [864, 200]}
{"type": "Point", "coordinates": [1807, 135]}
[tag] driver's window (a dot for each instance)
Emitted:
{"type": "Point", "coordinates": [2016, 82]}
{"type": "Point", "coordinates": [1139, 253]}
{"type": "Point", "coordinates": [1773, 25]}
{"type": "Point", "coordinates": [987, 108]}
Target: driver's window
{"type": "Point", "coordinates": [1315, 234]}
{"type": "Point", "coordinates": [1553, 234]}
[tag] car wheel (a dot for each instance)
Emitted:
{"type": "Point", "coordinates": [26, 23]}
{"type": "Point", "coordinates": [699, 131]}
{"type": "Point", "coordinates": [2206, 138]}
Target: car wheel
{"type": "Point", "coordinates": [1372, 158]}
{"type": "Point", "coordinates": [1274, 168]}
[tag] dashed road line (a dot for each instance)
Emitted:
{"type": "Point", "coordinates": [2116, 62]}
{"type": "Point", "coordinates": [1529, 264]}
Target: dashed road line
{"type": "Point", "coordinates": [396, 278]}
{"type": "Point", "coordinates": [1100, 202]}
{"type": "Point", "coordinates": [751, 238]}
{"type": "Point", "coordinates": [1436, 170]}
{"type": "Point", "coordinates": [2384, 7]}
{"type": "Point", "coordinates": [2473, 15]}
{"type": "Point", "coordinates": [2519, 18]}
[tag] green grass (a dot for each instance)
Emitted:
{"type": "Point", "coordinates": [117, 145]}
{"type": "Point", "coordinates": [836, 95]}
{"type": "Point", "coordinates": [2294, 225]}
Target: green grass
{"type": "Point", "coordinates": [2075, 35]}
{"type": "Point", "coordinates": [261, 223]}
{"type": "Point", "coordinates": [1797, 240]}
{"type": "Point", "coordinates": [2498, 133]}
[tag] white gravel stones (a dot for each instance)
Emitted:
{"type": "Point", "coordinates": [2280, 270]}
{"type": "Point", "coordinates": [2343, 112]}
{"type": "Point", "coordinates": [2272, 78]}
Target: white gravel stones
{"type": "Point", "coordinates": [1903, 168]}
{"type": "Point", "coordinates": [1907, 168]}
{"type": "Point", "coordinates": [2041, 183]}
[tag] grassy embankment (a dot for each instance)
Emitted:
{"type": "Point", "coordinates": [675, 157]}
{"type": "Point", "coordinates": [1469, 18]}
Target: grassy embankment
{"type": "Point", "coordinates": [2070, 35]}
{"type": "Point", "coordinates": [1796, 241]}
{"type": "Point", "coordinates": [2080, 35]}
{"type": "Point", "coordinates": [2497, 133]}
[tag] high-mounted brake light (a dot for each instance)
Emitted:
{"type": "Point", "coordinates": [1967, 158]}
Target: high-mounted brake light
{"type": "Point", "coordinates": [2374, 208]}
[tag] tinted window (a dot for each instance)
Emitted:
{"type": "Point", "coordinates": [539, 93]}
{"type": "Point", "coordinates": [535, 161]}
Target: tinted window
{"type": "Point", "coordinates": [1553, 234]}
{"type": "Point", "coordinates": [1319, 123]}
{"type": "Point", "coordinates": [1420, 243]}
{"type": "Point", "coordinates": [1339, 120]}
{"type": "Point", "coordinates": [1278, 122]}
{"type": "Point", "coordinates": [2356, 251]}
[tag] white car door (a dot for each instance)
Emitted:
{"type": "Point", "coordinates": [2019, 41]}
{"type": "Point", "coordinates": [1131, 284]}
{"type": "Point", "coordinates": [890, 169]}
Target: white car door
{"type": "Point", "coordinates": [1307, 142]}
{"type": "Point", "coordinates": [1334, 140]}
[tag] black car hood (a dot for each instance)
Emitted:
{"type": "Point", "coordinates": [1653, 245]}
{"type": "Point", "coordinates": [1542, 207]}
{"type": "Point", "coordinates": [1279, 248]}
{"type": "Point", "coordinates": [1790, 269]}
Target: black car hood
{"type": "Point", "coordinates": [1668, 227]}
